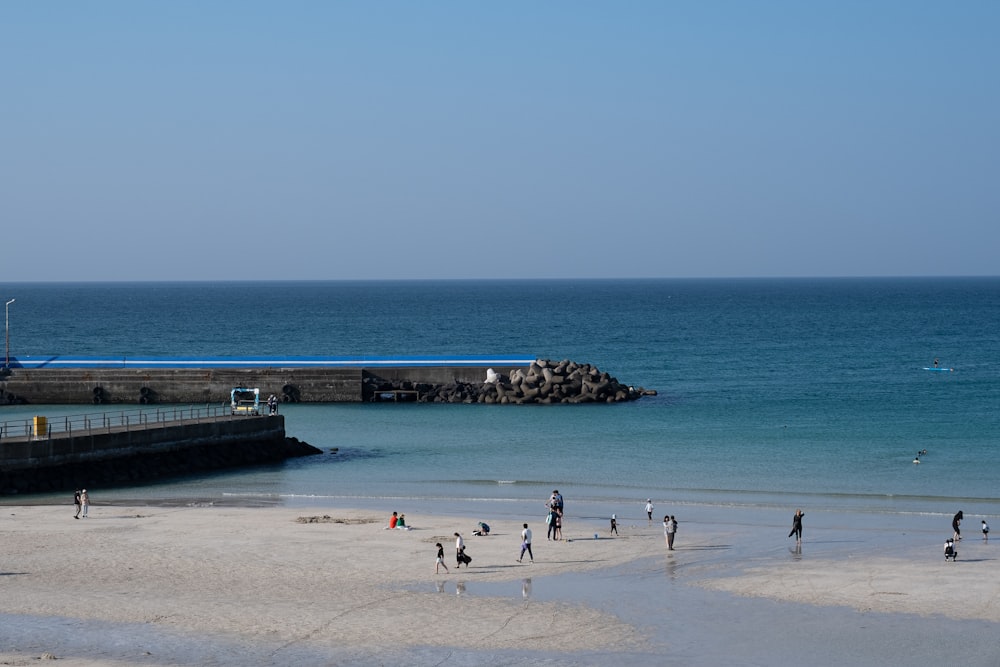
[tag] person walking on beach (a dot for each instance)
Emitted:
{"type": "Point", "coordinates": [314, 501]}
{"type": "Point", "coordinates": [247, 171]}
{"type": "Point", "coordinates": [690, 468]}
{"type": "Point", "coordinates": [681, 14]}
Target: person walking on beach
{"type": "Point", "coordinates": [614, 524]}
{"type": "Point", "coordinates": [797, 525]}
{"type": "Point", "coordinates": [526, 544]}
{"type": "Point", "coordinates": [77, 501]}
{"type": "Point", "coordinates": [669, 530]}
{"type": "Point", "coordinates": [459, 550]}
{"type": "Point", "coordinates": [85, 502]}
{"type": "Point", "coordinates": [986, 531]}
{"type": "Point", "coordinates": [649, 510]}
{"type": "Point", "coordinates": [440, 559]}
{"type": "Point", "coordinates": [956, 525]}
{"type": "Point", "coordinates": [551, 520]}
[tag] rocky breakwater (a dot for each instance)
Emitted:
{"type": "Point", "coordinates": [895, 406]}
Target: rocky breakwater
{"type": "Point", "coordinates": [544, 382]}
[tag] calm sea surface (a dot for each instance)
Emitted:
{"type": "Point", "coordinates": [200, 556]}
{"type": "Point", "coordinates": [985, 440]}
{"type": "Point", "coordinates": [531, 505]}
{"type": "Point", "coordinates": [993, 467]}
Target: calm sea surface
{"type": "Point", "coordinates": [772, 393]}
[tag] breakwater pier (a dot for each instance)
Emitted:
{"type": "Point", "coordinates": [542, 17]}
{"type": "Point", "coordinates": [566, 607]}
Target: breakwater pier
{"type": "Point", "coordinates": [102, 449]}
{"type": "Point", "coordinates": [67, 380]}
{"type": "Point", "coordinates": [514, 379]}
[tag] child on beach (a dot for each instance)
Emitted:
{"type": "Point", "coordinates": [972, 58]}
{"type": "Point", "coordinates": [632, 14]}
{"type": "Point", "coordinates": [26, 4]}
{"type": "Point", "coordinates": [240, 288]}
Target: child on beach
{"type": "Point", "coordinates": [614, 524]}
{"type": "Point", "coordinates": [949, 549]}
{"type": "Point", "coordinates": [440, 559]}
{"type": "Point", "coordinates": [986, 531]}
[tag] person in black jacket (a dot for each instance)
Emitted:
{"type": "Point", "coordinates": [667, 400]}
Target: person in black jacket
{"type": "Point", "coordinates": [797, 525]}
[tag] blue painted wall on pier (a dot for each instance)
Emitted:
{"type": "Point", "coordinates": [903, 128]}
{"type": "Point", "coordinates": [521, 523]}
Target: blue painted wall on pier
{"type": "Point", "coordinates": [69, 362]}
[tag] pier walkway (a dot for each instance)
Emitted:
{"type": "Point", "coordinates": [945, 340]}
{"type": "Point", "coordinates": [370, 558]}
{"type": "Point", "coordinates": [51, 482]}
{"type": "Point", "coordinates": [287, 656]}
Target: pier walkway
{"type": "Point", "coordinates": [118, 421]}
{"type": "Point", "coordinates": [128, 447]}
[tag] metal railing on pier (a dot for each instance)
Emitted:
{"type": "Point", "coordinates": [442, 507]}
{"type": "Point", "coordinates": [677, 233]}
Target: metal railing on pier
{"type": "Point", "coordinates": [105, 422]}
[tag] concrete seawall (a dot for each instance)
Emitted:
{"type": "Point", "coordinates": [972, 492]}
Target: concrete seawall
{"type": "Point", "coordinates": [116, 454]}
{"type": "Point", "coordinates": [68, 386]}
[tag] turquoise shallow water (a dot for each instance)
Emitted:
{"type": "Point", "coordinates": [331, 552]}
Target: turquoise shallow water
{"type": "Point", "coordinates": [771, 393]}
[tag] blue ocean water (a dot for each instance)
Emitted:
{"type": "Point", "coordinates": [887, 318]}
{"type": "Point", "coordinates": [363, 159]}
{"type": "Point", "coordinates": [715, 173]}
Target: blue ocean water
{"type": "Point", "coordinates": [771, 393]}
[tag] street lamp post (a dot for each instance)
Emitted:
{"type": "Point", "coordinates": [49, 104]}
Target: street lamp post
{"type": "Point", "coordinates": [6, 330]}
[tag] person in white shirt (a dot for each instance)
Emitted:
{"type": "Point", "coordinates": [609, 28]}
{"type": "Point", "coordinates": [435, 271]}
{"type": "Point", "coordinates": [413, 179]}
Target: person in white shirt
{"type": "Point", "coordinates": [649, 510]}
{"type": "Point", "coordinates": [526, 544]}
{"type": "Point", "coordinates": [459, 549]}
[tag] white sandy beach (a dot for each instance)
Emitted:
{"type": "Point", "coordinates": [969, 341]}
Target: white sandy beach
{"type": "Point", "coordinates": [251, 576]}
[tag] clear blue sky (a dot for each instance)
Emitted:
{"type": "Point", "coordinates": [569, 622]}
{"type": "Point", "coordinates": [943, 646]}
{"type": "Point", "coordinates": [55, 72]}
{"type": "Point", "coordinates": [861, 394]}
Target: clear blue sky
{"type": "Point", "coordinates": [354, 140]}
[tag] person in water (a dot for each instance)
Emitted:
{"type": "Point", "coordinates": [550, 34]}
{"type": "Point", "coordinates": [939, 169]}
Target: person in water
{"type": "Point", "coordinates": [797, 525]}
{"type": "Point", "coordinates": [956, 525]}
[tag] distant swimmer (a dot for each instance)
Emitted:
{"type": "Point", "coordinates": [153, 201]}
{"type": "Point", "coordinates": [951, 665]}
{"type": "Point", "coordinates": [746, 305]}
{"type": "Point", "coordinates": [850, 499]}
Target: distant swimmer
{"type": "Point", "coordinates": [917, 460]}
{"type": "Point", "coordinates": [923, 451]}
{"type": "Point", "coordinates": [937, 362]}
